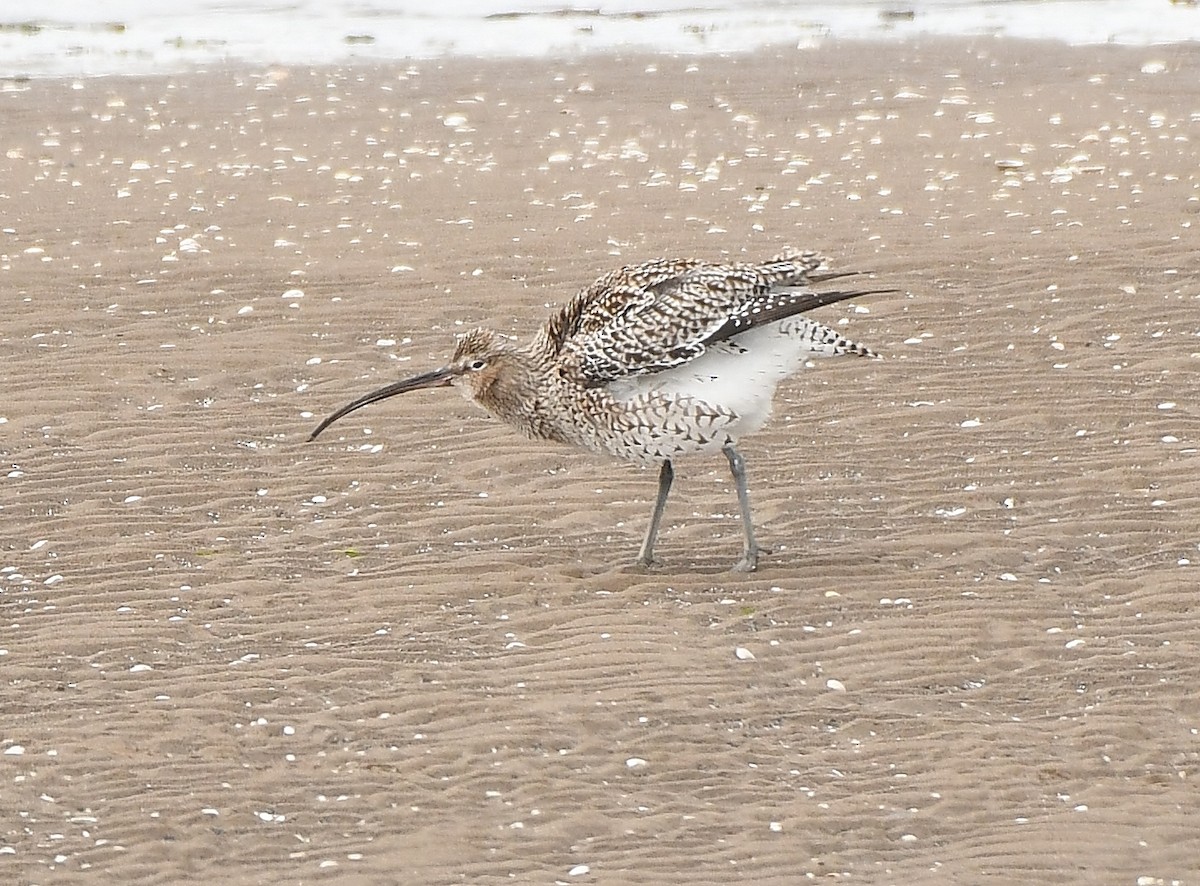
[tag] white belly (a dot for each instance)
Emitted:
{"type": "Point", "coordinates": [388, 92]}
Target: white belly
{"type": "Point", "coordinates": [739, 376]}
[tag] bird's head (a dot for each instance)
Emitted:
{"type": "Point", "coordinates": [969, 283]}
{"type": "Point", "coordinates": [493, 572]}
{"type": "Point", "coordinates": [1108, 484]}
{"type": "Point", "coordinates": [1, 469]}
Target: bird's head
{"type": "Point", "coordinates": [479, 361]}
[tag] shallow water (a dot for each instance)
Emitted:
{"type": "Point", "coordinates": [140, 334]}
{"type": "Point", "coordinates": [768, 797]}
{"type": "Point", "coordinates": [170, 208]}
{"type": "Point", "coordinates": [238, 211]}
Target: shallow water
{"type": "Point", "coordinates": [66, 38]}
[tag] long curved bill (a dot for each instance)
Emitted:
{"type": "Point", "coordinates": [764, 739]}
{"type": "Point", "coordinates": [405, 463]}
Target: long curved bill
{"type": "Point", "coordinates": [439, 378]}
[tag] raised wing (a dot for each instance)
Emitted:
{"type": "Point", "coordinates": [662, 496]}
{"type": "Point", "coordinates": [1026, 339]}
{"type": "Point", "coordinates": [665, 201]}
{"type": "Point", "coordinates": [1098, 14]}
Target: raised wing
{"type": "Point", "coordinates": [647, 318]}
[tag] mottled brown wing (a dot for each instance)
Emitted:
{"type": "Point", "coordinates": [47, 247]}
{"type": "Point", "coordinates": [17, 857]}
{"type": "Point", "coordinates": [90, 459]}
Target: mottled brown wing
{"type": "Point", "coordinates": [651, 317]}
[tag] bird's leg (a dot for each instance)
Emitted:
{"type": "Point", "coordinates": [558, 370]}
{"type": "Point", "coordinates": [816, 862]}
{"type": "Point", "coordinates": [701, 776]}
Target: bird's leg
{"type": "Point", "coordinates": [737, 466]}
{"type": "Point", "coordinates": [665, 476]}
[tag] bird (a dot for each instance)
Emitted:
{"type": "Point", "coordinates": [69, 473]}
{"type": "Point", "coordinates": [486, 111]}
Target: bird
{"type": "Point", "coordinates": [653, 362]}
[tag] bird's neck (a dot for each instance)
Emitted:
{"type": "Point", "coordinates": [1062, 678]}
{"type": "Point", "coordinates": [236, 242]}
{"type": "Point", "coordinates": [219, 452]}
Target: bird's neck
{"type": "Point", "coordinates": [527, 395]}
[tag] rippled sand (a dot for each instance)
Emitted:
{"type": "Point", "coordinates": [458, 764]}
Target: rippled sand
{"type": "Point", "coordinates": [414, 651]}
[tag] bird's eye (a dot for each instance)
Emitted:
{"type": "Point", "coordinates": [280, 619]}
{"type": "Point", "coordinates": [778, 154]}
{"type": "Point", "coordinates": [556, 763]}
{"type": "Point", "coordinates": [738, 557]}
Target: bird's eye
{"type": "Point", "coordinates": [476, 365]}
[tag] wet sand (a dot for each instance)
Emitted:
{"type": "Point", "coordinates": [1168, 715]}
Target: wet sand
{"type": "Point", "coordinates": [414, 651]}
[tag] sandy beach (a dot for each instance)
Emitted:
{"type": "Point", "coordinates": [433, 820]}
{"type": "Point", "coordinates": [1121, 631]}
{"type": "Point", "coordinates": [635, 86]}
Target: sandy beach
{"type": "Point", "coordinates": [415, 650]}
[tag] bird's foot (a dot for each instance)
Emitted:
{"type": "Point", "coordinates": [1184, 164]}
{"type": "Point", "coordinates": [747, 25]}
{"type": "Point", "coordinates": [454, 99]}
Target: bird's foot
{"type": "Point", "coordinates": [645, 562]}
{"type": "Point", "coordinates": [748, 563]}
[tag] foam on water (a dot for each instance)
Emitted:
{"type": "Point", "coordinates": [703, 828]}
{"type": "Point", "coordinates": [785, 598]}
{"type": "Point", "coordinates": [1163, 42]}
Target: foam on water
{"type": "Point", "coordinates": [67, 38]}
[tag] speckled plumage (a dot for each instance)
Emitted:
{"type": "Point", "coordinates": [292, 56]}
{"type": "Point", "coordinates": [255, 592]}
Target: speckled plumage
{"type": "Point", "coordinates": [652, 362]}
{"type": "Point", "coordinates": [660, 314]}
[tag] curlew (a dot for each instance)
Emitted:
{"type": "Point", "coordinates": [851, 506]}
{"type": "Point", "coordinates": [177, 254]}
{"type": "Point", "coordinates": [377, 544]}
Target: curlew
{"type": "Point", "coordinates": [653, 362]}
